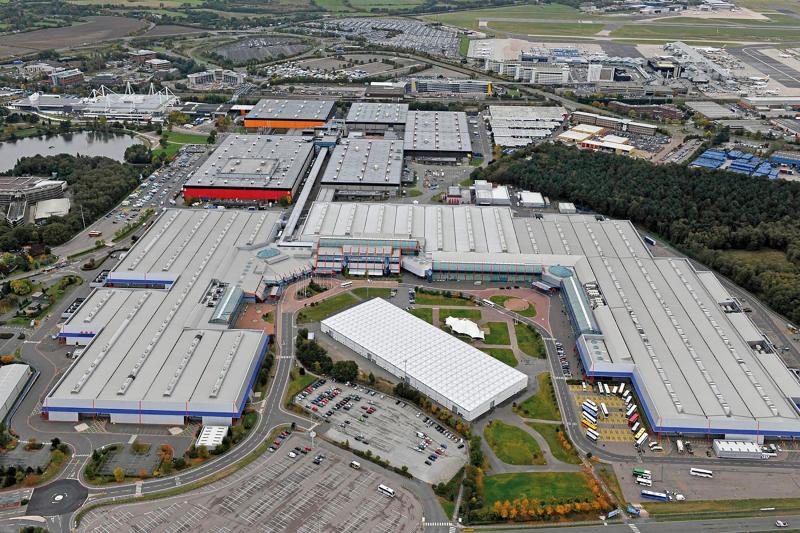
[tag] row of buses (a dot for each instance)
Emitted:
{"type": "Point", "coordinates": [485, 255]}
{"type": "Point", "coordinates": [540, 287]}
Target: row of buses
{"type": "Point", "coordinates": [589, 415]}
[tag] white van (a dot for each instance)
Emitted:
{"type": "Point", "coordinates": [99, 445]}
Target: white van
{"type": "Point", "coordinates": [355, 465]}
{"type": "Point", "coordinates": [420, 435]}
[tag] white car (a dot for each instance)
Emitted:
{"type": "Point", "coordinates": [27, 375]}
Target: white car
{"type": "Point", "coordinates": [292, 455]}
{"type": "Point", "coordinates": [781, 523]}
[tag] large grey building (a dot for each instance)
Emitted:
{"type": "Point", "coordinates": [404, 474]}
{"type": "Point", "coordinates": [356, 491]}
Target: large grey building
{"type": "Point", "coordinates": [376, 117]}
{"type": "Point", "coordinates": [437, 134]}
{"type": "Point", "coordinates": [365, 167]}
{"type": "Point", "coordinates": [161, 341]}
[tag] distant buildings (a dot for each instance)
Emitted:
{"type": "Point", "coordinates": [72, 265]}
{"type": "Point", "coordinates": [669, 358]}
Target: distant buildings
{"type": "Point", "coordinates": [289, 114]}
{"type": "Point", "coordinates": [653, 111]}
{"type": "Point", "coordinates": [19, 194]}
{"type": "Point", "coordinates": [376, 117]}
{"type": "Point", "coordinates": [141, 56]}
{"type": "Point", "coordinates": [157, 64]}
{"type": "Point", "coordinates": [451, 86]}
{"type": "Point", "coordinates": [66, 78]}
{"type": "Point", "coordinates": [514, 126]}
{"type": "Point", "coordinates": [218, 76]}
{"type": "Point", "coordinates": [437, 134]}
{"type": "Point", "coordinates": [622, 124]}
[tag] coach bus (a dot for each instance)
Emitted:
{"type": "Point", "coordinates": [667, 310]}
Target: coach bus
{"type": "Point", "coordinates": [630, 411]}
{"type": "Point", "coordinates": [592, 434]}
{"type": "Point", "coordinates": [621, 389]}
{"type": "Point", "coordinates": [650, 495]}
{"type": "Point", "coordinates": [699, 472]}
{"type": "Point", "coordinates": [590, 418]}
{"type": "Point", "coordinates": [639, 472]}
{"type": "Point", "coordinates": [386, 490]}
{"type": "Point", "coordinates": [346, 284]}
{"type": "Point", "coordinates": [589, 424]}
{"type": "Point", "coordinates": [635, 428]}
{"type": "Point", "coordinates": [604, 409]}
{"type": "Point", "coordinates": [644, 481]}
{"type": "Point", "coordinates": [591, 404]}
{"type": "Point", "coordinates": [633, 419]}
{"type": "Point", "coordinates": [641, 439]}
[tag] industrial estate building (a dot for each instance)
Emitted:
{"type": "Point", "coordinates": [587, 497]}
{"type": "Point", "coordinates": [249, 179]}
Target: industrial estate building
{"type": "Point", "coordinates": [696, 361]}
{"type": "Point", "coordinates": [623, 124]}
{"type": "Point", "coordinates": [160, 338]}
{"type": "Point", "coordinates": [374, 117]}
{"type": "Point", "coordinates": [514, 126]}
{"type": "Point", "coordinates": [444, 368]}
{"type": "Point", "coordinates": [18, 195]}
{"type": "Point", "coordinates": [365, 167]}
{"type": "Point", "coordinates": [12, 381]}
{"type": "Point", "coordinates": [217, 76]}
{"type": "Point", "coordinates": [251, 168]}
{"type": "Point", "coordinates": [289, 114]}
{"type": "Point", "coordinates": [438, 134]}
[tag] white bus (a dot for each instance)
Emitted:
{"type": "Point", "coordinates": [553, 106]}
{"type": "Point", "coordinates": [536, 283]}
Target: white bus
{"type": "Point", "coordinates": [386, 490]}
{"type": "Point", "coordinates": [630, 411]}
{"type": "Point", "coordinates": [656, 448]}
{"type": "Point", "coordinates": [592, 434]}
{"type": "Point", "coordinates": [615, 389]}
{"type": "Point", "coordinates": [583, 384]}
{"type": "Point", "coordinates": [699, 472]}
{"type": "Point", "coordinates": [589, 417]}
{"type": "Point", "coordinates": [605, 386]}
{"type": "Point", "coordinates": [645, 482]}
{"type": "Point", "coordinates": [591, 404]}
{"type": "Point", "coordinates": [589, 411]}
{"type": "Point", "coordinates": [621, 389]}
{"type": "Point", "coordinates": [604, 409]}
{"type": "Point", "coordinates": [641, 439]}
{"type": "Point", "coordinates": [487, 303]}
{"type": "Point", "coordinates": [635, 428]}
{"type": "Point", "coordinates": [626, 394]}
{"type": "Point", "coordinates": [679, 443]}
{"type": "Point", "coordinates": [628, 400]}
{"type": "Point", "coordinates": [600, 388]}
{"type": "Point", "coordinates": [346, 284]}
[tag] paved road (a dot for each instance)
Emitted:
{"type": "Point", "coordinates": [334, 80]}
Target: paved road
{"type": "Point", "coordinates": [646, 526]}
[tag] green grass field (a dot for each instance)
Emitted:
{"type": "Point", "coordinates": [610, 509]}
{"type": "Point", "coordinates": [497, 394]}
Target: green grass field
{"type": "Point", "coordinates": [139, 3]}
{"type": "Point", "coordinates": [334, 6]}
{"type": "Point", "coordinates": [501, 299]}
{"type": "Point", "coordinates": [764, 259]}
{"type": "Point", "coordinates": [513, 445]}
{"type": "Point", "coordinates": [298, 383]}
{"type": "Point", "coordinates": [368, 293]}
{"type": "Point", "coordinates": [529, 341]}
{"type": "Point", "coordinates": [539, 486]}
{"type": "Point", "coordinates": [425, 313]}
{"type": "Point", "coordinates": [326, 308]}
{"type": "Point", "coordinates": [440, 299]}
{"type": "Point", "coordinates": [498, 334]}
{"type": "Point", "coordinates": [714, 507]}
{"type": "Point", "coordinates": [469, 19]}
{"type": "Point", "coordinates": [550, 432]}
{"type": "Point", "coordinates": [472, 314]}
{"type": "Point", "coordinates": [506, 355]}
{"type": "Point", "coordinates": [715, 33]}
{"type": "Point", "coordinates": [176, 140]}
{"type": "Point", "coordinates": [547, 28]}
{"type": "Point", "coordinates": [606, 473]}
{"type": "Point", "coordinates": [541, 405]}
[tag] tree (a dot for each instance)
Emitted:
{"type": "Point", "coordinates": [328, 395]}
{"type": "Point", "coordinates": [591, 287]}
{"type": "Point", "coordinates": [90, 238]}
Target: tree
{"type": "Point", "coordinates": [202, 451]}
{"type": "Point", "coordinates": [344, 371]}
{"type": "Point", "coordinates": [138, 154]}
{"type": "Point", "coordinates": [371, 378]}
{"type": "Point", "coordinates": [21, 287]}
{"type": "Point", "coordinates": [119, 474]}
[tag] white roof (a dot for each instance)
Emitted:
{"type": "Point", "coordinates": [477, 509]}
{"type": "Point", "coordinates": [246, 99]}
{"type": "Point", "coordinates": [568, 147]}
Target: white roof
{"type": "Point", "coordinates": [462, 326]}
{"type": "Point", "coordinates": [437, 131]}
{"type": "Point", "coordinates": [524, 112]}
{"type": "Point", "coordinates": [211, 436]}
{"type": "Point", "coordinates": [57, 207]}
{"type": "Point", "coordinates": [572, 135]}
{"type": "Point", "coordinates": [10, 378]}
{"type": "Point", "coordinates": [463, 374]}
{"type": "Point", "coordinates": [737, 446]}
{"type": "Point", "coordinates": [527, 197]}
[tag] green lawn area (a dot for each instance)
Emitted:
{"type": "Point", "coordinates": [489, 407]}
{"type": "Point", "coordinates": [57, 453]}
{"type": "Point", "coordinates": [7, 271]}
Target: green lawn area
{"type": "Point", "coordinates": [298, 383]}
{"type": "Point", "coordinates": [505, 355]}
{"type": "Point", "coordinates": [176, 140]}
{"type": "Point", "coordinates": [541, 405]}
{"type": "Point", "coordinates": [447, 506]}
{"type": "Point", "coordinates": [529, 341]}
{"type": "Point", "coordinates": [441, 299]}
{"type": "Point", "coordinates": [463, 45]}
{"type": "Point", "coordinates": [471, 314]}
{"type": "Point", "coordinates": [540, 486]}
{"type": "Point", "coordinates": [547, 28]}
{"type": "Point", "coordinates": [334, 6]}
{"type": "Point", "coordinates": [500, 299]}
{"type": "Point", "coordinates": [513, 445]}
{"type": "Point", "coordinates": [711, 507]}
{"type": "Point", "coordinates": [715, 33]}
{"type": "Point", "coordinates": [326, 308]}
{"type": "Point", "coordinates": [550, 432]}
{"type": "Point", "coordinates": [498, 334]}
{"type": "Point", "coordinates": [469, 19]}
{"type": "Point", "coordinates": [425, 313]}
{"type": "Point", "coordinates": [368, 293]}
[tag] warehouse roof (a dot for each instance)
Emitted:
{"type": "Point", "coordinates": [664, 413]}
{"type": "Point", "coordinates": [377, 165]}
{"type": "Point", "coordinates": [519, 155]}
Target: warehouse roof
{"type": "Point", "coordinates": [317, 110]}
{"type": "Point", "coordinates": [254, 161]}
{"type": "Point", "coordinates": [159, 345]}
{"type": "Point", "coordinates": [698, 365]}
{"type": "Point", "coordinates": [437, 131]}
{"type": "Point", "coordinates": [10, 378]}
{"type": "Point", "coordinates": [524, 112]}
{"type": "Point", "coordinates": [377, 113]}
{"type": "Point", "coordinates": [456, 370]}
{"type": "Point", "coordinates": [359, 161]}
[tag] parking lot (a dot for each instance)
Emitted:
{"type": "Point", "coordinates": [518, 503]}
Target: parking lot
{"type": "Point", "coordinates": [388, 427]}
{"type": "Point", "coordinates": [278, 493]}
{"type": "Point", "coordinates": [615, 427]}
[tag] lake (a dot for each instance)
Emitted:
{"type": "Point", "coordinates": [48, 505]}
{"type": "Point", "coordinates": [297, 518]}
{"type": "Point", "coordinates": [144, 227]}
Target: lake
{"type": "Point", "coordinates": [91, 143]}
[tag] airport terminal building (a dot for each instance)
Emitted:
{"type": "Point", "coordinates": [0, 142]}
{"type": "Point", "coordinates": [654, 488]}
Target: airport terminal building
{"type": "Point", "coordinates": [697, 362]}
{"type": "Point", "coordinates": [160, 338]}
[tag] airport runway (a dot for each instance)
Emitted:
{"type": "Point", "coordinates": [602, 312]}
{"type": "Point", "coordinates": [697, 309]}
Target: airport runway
{"type": "Point", "coordinates": [776, 70]}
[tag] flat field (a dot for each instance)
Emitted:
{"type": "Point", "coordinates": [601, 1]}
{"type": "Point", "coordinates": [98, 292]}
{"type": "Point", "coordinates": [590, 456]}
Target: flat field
{"type": "Point", "coordinates": [539, 486]}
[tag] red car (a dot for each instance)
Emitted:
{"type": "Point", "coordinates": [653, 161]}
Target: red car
{"type": "Point", "coordinates": [307, 448]}
{"type": "Point", "coordinates": [276, 443]}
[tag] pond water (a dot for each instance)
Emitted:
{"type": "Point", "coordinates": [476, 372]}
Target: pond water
{"type": "Point", "coordinates": [91, 143]}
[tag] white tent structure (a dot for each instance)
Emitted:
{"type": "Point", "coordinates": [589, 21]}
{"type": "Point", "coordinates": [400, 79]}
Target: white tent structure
{"type": "Point", "coordinates": [462, 326]}
{"type": "Point", "coordinates": [439, 365]}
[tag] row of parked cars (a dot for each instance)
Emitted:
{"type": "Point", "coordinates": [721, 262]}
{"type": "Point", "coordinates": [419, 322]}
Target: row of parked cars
{"type": "Point", "coordinates": [278, 441]}
{"type": "Point", "coordinates": [562, 357]}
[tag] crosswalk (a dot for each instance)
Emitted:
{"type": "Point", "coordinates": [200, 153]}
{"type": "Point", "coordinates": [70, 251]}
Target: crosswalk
{"type": "Point", "coordinates": [633, 528]}
{"type": "Point", "coordinates": [440, 524]}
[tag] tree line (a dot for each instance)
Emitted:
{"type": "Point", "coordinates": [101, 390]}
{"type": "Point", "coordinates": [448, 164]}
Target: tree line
{"type": "Point", "coordinates": [706, 214]}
